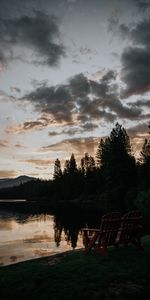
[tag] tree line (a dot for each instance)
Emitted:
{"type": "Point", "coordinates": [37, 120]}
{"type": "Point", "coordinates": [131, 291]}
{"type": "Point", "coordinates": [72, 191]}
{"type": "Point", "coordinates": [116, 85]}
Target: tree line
{"type": "Point", "coordinates": [114, 179]}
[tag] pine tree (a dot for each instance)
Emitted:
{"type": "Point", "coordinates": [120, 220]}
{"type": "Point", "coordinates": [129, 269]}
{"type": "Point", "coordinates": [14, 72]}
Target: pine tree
{"type": "Point", "coordinates": [103, 153]}
{"type": "Point", "coordinates": [87, 164]}
{"type": "Point", "coordinates": [57, 170]}
{"type": "Point", "coordinates": [66, 167]}
{"type": "Point", "coordinates": [145, 153]}
{"type": "Point", "coordinates": [117, 165]}
{"type": "Point", "coordinates": [144, 166]}
{"type": "Point", "coordinates": [99, 153]}
{"type": "Point", "coordinates": [71, 180]}
{"type": "Point", "coordinates": [72, 164]}
{"type": "Point", "coordinates": [120, 140]}
{"type": "Point", "coordinates": [116, 157]}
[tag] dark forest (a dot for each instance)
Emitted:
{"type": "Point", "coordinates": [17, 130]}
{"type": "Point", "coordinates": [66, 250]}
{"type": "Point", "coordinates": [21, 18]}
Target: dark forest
{"type": "Point", "coordinates": [113, 180]}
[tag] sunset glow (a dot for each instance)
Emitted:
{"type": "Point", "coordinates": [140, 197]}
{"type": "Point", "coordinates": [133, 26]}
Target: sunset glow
{"type": "Point", "coordinates": [69, 70]}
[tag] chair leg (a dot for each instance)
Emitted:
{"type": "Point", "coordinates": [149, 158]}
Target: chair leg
{"type": "Point", "coordinates": [137, 242]}
{"type": "Point", "coordinates": [102, 250]}
{"type": "Point", "coordinates": [85, 241]}
{"type": "Point", "coordinates": [91, 243]}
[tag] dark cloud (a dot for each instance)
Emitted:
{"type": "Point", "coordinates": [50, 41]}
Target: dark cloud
{"type": "Point", "coordinates": [79, 86]}
{"type": "Point", "coordinates": [46, 119]}
{"type": "Point", "coordinates": [80, 101]}
{"type": "Point", "coordinates": [140, 34]}
{"type": "Point", "coordinates": [70, 131]}
{"type": "Point", "coordinates": [60, 101]}
{"type": "Point", "coordinates": [36, 84]}
{"type": "Point", "coordinates": [103, 87]}
{"type": "Point", "coordinates": [56, 101]}
{"type": "Point", "coordinates": [65, 101]}
{"type": "Point", "coordinates": [90, 110]}
{"type": "Point", "coordinates": [94, 109]}
{"type": "Point", "coordinates": [135, 71]}
{"type": "Point", "coordinates": [121, 110]}
{"type": "Point", "coordinates": [142, 5]}
{"type": "Point", "coordinates": [53, 133]}
{"type": "Point", "coordinates": [39, 33]}
{"type": "Point", "coordinates": [87, 51]}
{"type": "Point", "coordinates": [113, 22]}
{"type": "Point", "coordinates": [74, 130]}
{"type": "Point", "coordinates": [3, 61]}
{"type": "Point", "coordinates": [140, 103]}
{"type": "Point", "coordinates": [108, 97]}
{"type": "Point", "coordinates": [31, 125]}
{"type": "Point", "coordinates": [135, 60]}
{"type": "Point", "coordinates": [110, 75]}
{"type": "Point", "coordinates": [89, 126]}
{"type": "Point", "coordinates": [140, 129]}
{"type": "Point", "coordinates": [124, 31]}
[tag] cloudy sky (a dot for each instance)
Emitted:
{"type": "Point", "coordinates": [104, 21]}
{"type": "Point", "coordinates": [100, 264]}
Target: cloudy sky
{"type": "Point", "coordinates": [69, 70]}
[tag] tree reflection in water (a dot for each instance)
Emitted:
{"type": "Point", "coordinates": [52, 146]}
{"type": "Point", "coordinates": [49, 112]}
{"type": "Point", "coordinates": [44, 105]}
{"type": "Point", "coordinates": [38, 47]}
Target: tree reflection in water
{"type": "Point", "coordinates": [70, 222]}
{"type": "Point", "coordinates": [57, 231]}
{"type": "Point", "coordinates": [67, 221]}
{"type": "Point", "coordinates": [71, 231]}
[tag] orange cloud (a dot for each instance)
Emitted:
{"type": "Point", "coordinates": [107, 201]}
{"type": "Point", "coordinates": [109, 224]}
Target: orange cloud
{"type": "Point", "coordinates": [3, 143]}
{"type": "Point", "coordinates": [7, 173]}
{"type": "Point", "coordinates": [38, 162]}
{"type": "Point", "coordinates": [137, 135]}
{"type": "Point", "coordinates": [26, 126]}
{"type": "Point", "coordinates": [38, 124]}
{"type": "Point", "coordinates": [78, 146]}
{"type": "Point", "coordinates": [19, 145]}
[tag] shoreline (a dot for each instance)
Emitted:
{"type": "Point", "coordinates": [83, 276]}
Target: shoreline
{"type": "Point", "coordinates": [50, 259]}
{"type": "Point", "coordinates": [122, 275]}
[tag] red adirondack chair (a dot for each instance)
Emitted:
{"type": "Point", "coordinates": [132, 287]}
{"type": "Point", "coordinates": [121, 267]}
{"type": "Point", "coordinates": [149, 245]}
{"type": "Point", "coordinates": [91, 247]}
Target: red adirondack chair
{"type": "Point", "coordinates": [115, 229]}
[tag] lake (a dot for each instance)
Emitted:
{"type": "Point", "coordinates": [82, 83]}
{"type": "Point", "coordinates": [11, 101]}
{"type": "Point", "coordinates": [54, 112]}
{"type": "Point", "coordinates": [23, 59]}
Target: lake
{"type": "Point", "coordinates": [28, 231]}
{"type": "Point", "coordinates": [31, 230]}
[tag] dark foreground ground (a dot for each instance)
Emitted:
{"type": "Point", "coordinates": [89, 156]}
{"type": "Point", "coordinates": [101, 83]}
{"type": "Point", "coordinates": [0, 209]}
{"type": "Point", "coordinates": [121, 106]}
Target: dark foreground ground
{"type": "Point", "coordinates": [123, 275]}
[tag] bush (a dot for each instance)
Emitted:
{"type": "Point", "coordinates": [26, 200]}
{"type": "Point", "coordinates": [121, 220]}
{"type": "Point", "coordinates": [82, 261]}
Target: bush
{"type": "Point", "coordinates": [142, 202]}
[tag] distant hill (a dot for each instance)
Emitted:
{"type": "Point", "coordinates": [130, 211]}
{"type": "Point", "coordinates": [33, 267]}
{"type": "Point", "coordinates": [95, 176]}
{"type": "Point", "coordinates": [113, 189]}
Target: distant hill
{"type": "Point", "coordinates": [11, 182]}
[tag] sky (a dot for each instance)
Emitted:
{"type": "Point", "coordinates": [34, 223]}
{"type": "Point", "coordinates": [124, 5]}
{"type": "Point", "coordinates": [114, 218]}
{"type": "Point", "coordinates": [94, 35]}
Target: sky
{"type": "Point", "coordinates": [69, 70]}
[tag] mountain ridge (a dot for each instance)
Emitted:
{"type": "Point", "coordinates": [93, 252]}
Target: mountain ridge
{"type": "Point", "coordinates": [11, 182]}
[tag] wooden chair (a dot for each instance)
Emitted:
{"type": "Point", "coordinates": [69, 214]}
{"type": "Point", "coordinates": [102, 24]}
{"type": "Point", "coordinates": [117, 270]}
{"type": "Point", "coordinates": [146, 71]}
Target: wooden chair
{"type": "Point", "coordinates": [115, 229]}
{"type": "Point", "coordinates": [103, 237]}
{"type": "Point", "coordinates": [130, 229]}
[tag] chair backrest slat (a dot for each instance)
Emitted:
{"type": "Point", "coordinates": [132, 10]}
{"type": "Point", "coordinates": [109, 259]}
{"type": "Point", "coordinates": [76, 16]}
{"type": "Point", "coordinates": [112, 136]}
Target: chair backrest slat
{"type": "Point", "coordinates": [129, 225]}
{"type": "Point", "coordinates": [109, 225]}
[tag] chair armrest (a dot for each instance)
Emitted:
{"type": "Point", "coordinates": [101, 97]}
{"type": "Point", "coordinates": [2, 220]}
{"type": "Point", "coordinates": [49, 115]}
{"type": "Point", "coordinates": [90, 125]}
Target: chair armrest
{"type": "Point", "coordinates": [90, 229]}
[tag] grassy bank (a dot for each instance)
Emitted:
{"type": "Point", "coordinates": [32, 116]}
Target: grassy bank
{"type": "Point", "coordinates": [123, 275]}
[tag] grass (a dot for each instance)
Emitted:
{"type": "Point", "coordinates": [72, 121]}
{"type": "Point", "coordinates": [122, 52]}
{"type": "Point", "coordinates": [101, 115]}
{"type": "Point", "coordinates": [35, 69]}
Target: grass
{"type": "Point", "coordinates": [123, 275]}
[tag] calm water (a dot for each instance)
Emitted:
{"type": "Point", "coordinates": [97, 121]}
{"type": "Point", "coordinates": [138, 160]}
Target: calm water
{"type": "Point", "coordinates": [32, 230]}
{"type": "Point", "coordinates": [31, 234]}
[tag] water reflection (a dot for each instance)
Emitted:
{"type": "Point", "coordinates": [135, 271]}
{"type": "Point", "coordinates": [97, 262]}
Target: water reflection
{"type": "Point", "coordinates": [26, 236]}
{"type": "Point", "coordinates": [30, 231]}
{"type": "Point", "coordinates": [71, 233]}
